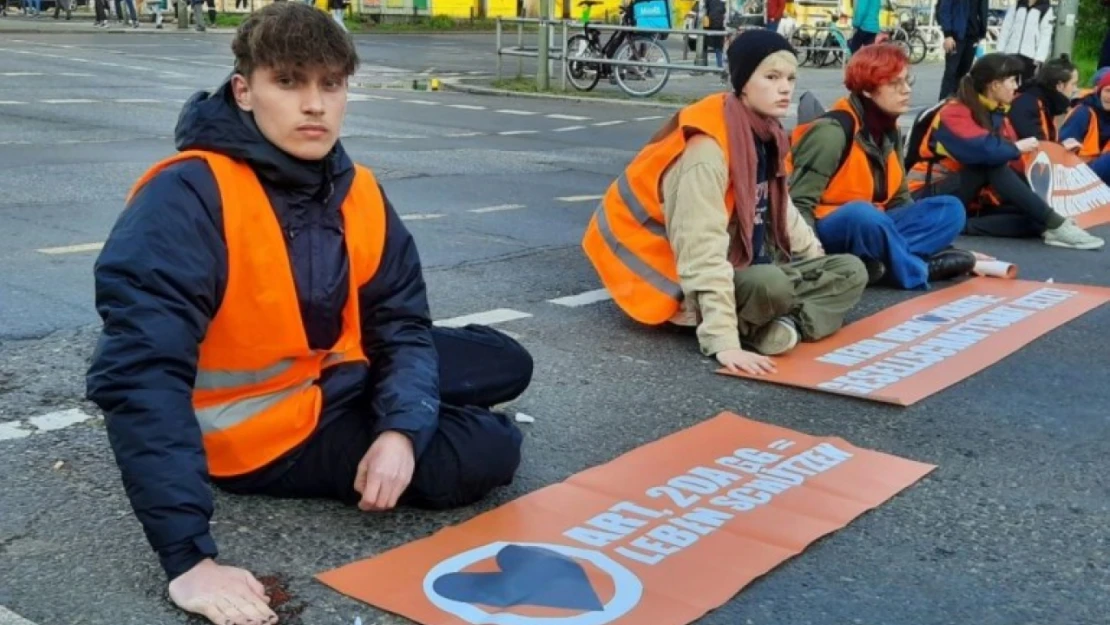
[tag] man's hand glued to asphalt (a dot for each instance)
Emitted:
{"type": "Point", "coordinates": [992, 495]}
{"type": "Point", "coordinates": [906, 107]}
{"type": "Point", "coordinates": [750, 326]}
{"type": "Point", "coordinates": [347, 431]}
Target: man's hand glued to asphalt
{"type": "Point", "coordinates": [225, 595]}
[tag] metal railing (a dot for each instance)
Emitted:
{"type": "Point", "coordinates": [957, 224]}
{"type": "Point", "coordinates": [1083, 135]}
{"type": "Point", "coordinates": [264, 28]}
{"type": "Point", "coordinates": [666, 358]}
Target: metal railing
{"type": "Point", "coordinates": [557, 55]}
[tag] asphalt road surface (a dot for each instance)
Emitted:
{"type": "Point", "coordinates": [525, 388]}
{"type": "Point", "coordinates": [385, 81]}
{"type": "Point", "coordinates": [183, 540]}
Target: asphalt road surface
{"type": "Point", "coordinates": [1012, 528]}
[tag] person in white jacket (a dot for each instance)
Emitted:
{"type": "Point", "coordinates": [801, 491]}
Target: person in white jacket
{"type": "Point", "coordinates": [1027, 32]}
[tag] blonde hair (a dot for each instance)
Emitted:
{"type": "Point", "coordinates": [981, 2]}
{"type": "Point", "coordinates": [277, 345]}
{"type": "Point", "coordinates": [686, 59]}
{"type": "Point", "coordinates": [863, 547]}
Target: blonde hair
{"type": "Point", "coordinates": [779, 61]}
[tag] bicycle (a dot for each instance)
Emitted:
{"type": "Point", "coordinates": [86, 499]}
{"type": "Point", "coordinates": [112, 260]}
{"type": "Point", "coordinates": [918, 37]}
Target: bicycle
{"type": "Point", "coordinates": [834, 49]}
{"type": "Point", "coordinates": [621, 46]}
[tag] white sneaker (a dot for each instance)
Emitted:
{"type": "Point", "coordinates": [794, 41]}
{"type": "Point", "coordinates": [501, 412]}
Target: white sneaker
{"type": "Point", "coordinates": [777, 337]}
{"type": "Point", "coordinates": [1072, 236]}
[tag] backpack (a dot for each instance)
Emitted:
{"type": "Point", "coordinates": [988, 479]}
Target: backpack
{"type": "Point", "coordinates": [810, 110]}
{"type": "Point", "coordinates": [921, 125]}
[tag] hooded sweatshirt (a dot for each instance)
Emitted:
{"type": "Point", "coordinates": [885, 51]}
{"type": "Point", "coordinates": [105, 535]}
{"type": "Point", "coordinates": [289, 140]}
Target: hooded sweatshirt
{"type": "Point", "coordinates": [159, 281]}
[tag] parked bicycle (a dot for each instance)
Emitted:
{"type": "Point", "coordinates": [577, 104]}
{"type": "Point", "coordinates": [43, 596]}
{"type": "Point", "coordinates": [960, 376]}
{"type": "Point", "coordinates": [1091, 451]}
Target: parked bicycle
{"type": "Point", "coordinates": [822, 46]}
{"type": "Point", "coordinates": [640, 47]}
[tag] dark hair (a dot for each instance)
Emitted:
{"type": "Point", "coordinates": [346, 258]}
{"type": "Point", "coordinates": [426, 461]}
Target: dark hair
{"type": "Point", "coordinates": [1055, 71]}
{"type": "Point", "coordinates": [989, 68]}
{"type": "Point", "coordinates": [289, 35]}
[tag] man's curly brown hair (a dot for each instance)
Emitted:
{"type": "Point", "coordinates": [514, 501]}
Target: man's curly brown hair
{"type": "Point", "coordinates": [293, 35]}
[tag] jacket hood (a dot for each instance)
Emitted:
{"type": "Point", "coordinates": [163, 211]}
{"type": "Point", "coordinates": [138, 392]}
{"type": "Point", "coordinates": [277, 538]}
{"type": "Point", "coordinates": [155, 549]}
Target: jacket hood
{"type": "Point", "coordinates": [213, 122]}
{"type": "Point", "coordinates": [1056, 102]}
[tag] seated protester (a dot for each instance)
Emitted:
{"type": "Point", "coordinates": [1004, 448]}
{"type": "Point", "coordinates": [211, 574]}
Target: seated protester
{"type": "Point", "coordinates": [700, 225]}
{"type": "Point", "coordinates": [1088, 124]}
{"type": "Point", "coordinates": [266, 324]}
{"type": "Point", "coordinates": [847, 178]}
{"type": "Point", "coordinates": [971, 150]}
{"type": "Point", "coordinates": [1043, 99]}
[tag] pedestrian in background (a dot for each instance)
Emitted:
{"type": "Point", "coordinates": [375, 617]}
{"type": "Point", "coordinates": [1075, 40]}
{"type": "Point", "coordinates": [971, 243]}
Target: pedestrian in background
{"type": "Point", "coordinates": [964, 24]}
{"type": "Point", "coordinates": [337, 8]}
{"type": "Point", "coordinates": [865, 19]}
{"type": "Point", "coordinates": [1027, 33]}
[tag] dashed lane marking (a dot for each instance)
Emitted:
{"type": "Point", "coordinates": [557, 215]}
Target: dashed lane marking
{"type": "Point", "coordinates": [568, 128]}
{"type": "Point", "coordinates": [582, 299]}
{"type": "Point", "coordinates": [467, 107]}
{"type": "Point", "coordinates": [11, 102]}
{"type": "Point", "coordinates": [579, 198]}
{"type": "Point", "coordinates": [515, 112]}
{"type": "Point", "coordinates": [69, 101]}
{"type": "Point", "coordinates": [464, 134]}
{"type": "Point", "coordinates": [497, 209]}
{"type": "Point", "coordinates": [648, 118]}
{"type": "Point", "coordinates": [72, 249]}
{"type": "Point", "coordinates": [137, 101]}
{"type": "Point", "coordinates": [422, 102]}
{"type": "Point", "coordinates": [569, 118]}
{"type": "Point", "coordinates": [518, 132]}
{"type": "Point", "coordinates": [421, 216]}
{"type": "Point", "coordinates": [612, 122]}
{"type": "Point", "coordinates": [18, 74]}
{"type": "Point", "coordinates": [489, 317]}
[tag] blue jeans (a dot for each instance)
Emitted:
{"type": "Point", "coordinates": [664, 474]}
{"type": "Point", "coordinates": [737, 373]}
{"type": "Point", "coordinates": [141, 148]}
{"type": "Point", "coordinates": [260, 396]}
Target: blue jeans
{"type": "Point", "coordinates": [902, 239]}
{"type": "Point", "coordinates": [1101, 167]}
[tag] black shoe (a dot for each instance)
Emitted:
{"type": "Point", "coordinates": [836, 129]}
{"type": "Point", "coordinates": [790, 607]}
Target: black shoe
{"type": "Point", "coordinates": [949, 264]}
{"type": "Point", "coordinates": [876, 271]}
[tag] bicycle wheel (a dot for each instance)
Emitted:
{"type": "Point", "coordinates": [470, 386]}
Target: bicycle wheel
{"type": "Point", "coordinates": [582, 74]}
{"type": "Point", "coordinates": [801, 41]}
{"type": "Point", "coordinates": [919, 48]}
{"type": "Point", "coordinates": [639, 81]}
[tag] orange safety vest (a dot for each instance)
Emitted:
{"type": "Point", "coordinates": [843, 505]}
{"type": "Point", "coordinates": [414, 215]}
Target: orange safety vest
{"type": "Point", "coordinates": [626, 239]}
{"type": "Point", "coordinates": [931, 169]}
{"type": "Point", "coordinates": [855, 180]}
{"type": "Point", "coordinates": [255, 396]}
{"type": "Point", "coordinates": [1089, 147]}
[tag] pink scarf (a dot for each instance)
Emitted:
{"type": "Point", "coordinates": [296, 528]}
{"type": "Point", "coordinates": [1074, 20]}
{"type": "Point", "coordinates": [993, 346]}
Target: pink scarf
{"type": "Point", "coordinates": [742, 124]}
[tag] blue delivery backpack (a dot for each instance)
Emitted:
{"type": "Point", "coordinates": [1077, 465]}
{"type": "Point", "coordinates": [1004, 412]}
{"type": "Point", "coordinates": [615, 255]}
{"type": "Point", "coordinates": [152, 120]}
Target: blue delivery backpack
{"type": "Point", "coordinates": [652, 14]}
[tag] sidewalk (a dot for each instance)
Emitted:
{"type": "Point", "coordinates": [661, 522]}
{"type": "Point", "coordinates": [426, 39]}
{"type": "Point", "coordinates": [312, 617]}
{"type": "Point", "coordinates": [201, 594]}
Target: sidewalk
{"type": "Point", "coordinates": [82, 23]}
{"type": "Point", "coordinates": [827, 84]}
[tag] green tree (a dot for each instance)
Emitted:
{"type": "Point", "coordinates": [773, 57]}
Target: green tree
{"type": "Point", "coordinates": [1090, 29]}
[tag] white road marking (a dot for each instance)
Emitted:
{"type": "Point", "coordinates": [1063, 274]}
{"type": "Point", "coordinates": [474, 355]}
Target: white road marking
{"type": "Point", "coordinates": [568, 128]}
{"type": "Point", "coordinates": [489, 317]}
{"type": "Point", "coordinates": [421, 216]}
{"type": "Point", "coordinates": [515, 112]}
{"type": "Point", "coordinates": [518, 132]}
{"type": "Point", "coordinates": [11, 102]}
{"type": "Point", "coordinates": [14, 74]}
{"type": "Point", "coordinates": [467, 107]}
{"type": "Point", "coordinates": [610, 123]}
{"type": "Point", "coordinates": [10, 430]}
{"type": "Point", "coordinates": [583, 299]}
{"type": "Point", "coordinates": [572, 118]}
{"type": "Point", "coordinates": [77, 74]}
{"type": "Point", "coordinates": [649, 118]}
{"type": "Point", "coordinates": [137, 101]}
{"type": "Point", "coordinates": [72, 249]}
{"type": "Point", "coordinates": [464, 134]}
{"type": "Point", "coordinates": [424, 102]}
{"type": "Point", "coordinates": [59, 420]}
{"type": "Point", "coordinates": [579, 198]}
{"type": "Point", "coordinates": [69, 101]}
{"type": "Point", "coordinates": [497, 209]}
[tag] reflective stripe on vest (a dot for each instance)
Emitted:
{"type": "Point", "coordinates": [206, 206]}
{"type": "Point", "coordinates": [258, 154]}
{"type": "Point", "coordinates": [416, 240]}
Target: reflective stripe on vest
{"type": "Point", "coordinates": [626, 239]}
{"type": "Point", "coordinates": [855, 180]}
{"type": "Point", "coordinates": [255, 394]}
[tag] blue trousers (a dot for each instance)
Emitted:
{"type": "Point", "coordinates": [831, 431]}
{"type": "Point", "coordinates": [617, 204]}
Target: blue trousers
{"type": "Point", "coordinates": [1101, 167]}
{"type": "Point", "coordinates": [902, 239]}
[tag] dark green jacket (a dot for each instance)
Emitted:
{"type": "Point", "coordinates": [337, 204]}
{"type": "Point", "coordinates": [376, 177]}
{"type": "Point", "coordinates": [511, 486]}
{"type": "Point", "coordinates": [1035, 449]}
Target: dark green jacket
{"type": "Point", "coordinates": [817, 154]}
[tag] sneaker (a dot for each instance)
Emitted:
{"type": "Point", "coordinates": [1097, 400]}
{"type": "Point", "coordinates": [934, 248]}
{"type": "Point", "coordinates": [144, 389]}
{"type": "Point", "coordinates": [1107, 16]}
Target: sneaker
{"type": "Point", "coordinates": [1072, 236]}
{"type": "Point", "coordinates": [777, 337]}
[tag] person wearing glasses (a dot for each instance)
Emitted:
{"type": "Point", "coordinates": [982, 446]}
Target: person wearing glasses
{"type": "Point", "coordinates": [972, 151]}
{"type": "Point", "coordinates": [848, 180]}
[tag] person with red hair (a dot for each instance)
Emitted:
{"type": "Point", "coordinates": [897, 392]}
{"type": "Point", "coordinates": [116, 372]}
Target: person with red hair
{"type": "Point", "coordinates": [848, 179]}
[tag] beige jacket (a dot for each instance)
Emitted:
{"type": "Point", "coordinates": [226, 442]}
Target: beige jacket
{"type": "Point", "coordinates": [694, 189]}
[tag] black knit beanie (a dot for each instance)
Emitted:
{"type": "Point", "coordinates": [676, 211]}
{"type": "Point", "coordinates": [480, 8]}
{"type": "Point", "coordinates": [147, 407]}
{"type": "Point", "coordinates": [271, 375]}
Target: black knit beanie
{"type": "Point", "coordinates": [748, 50]}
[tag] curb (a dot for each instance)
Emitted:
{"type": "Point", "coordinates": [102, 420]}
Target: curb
{"type": "Point", "coordinates": [7, 617]}
{"type": "Point", "coordinates": [458, 86]}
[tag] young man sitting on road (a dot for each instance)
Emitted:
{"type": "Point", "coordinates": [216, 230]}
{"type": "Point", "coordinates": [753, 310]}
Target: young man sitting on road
{"type": "Point", "coordinates": [266, 324]}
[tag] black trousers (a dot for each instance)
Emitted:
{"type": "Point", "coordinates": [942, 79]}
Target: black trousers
{"type": "Point", "coordinates": [1022, 213]}
{"type": "Point", "coordinates": [474, 450]}
{"type": "Point", "coordinates": [861, 38]}
{"type": "Point", "coordinates": [956, 66]}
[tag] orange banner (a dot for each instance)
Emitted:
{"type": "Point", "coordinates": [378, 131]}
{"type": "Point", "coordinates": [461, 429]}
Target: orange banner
{"type": "Point", "coordinates": [659, 536]}
{"type": "Point", "coordinates": [1065, 181]}
{"type": "Point", "coordinates": [921, 346]}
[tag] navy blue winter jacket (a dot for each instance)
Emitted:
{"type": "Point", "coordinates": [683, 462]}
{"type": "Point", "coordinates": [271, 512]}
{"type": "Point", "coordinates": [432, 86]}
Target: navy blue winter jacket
{"type": "Point", "coordinates": [159, 282]}
{"type": "Point", "coordinates": [955, 17]}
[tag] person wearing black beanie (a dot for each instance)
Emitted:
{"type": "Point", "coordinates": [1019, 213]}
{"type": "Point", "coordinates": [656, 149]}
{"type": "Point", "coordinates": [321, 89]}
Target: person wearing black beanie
{"type": "Point", "coordinates": [699, 230]}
